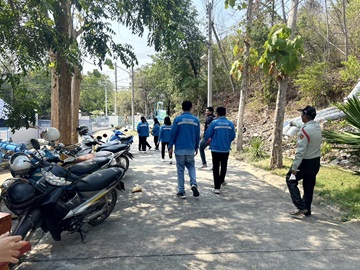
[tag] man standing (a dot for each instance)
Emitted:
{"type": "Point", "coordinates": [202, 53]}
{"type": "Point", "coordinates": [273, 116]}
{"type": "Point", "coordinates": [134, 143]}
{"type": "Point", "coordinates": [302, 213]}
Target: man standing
{"type": "Point", "coordinates": [306, 164]}
{"type": "Point", "coordinates": [185, 135]}
{"type": "Point", "coordinates": [222, 133]}
{"type": "Point", "coordinates": [143, 132]}
{"type": "Point", "coordinates": [204, 143]}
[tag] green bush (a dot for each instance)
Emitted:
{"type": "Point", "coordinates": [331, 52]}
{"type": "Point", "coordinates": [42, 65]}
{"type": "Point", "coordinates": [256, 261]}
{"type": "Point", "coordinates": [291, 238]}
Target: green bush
{"type": "Point", "coordinates": [257, 148]}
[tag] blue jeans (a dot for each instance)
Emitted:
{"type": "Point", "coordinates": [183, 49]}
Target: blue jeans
{"type": "Point", "coordinates": [203, 145]}
{"type": "Point", "coordinates": [187, 161]}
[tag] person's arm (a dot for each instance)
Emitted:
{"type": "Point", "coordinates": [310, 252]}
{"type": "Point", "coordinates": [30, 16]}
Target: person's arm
{"type": "Point", "coordinates": [302, 142]}
{"type": "Point", "coordinates": [9, 247]}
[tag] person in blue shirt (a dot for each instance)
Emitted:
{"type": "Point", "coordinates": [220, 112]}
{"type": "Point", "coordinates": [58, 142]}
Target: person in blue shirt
{"type": "Point", "coordinates": [185, 135]}
{"type": "Point", "coordinates": [221, 132]}
{"type": "Point", "coordinates": [155, 132]}
{"type": "Point", "coordinates": [164, 138]}
{"type": "Point", "coordinates": [143, 132]}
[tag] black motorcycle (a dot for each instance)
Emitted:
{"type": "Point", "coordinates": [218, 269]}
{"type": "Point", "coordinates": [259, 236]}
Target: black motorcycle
{"type": "Point", "coordinates": [60, 200]}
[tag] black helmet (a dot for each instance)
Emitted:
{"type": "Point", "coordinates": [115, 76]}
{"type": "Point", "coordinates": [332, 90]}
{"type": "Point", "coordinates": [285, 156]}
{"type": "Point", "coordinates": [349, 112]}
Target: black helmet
{"type": "Point", "coordinates": [83, 130]}
{"type": "Point", "coordinates": [18, 194]}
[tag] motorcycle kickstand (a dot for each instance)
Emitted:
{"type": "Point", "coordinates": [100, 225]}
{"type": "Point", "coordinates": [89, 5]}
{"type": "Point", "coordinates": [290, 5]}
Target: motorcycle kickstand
{"type": "Point", "coordinates": [82, 235]}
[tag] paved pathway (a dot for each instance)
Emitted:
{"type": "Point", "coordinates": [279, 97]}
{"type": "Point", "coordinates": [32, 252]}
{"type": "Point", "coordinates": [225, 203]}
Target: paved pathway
{"type": "Point", "coordinates": [246, 227]}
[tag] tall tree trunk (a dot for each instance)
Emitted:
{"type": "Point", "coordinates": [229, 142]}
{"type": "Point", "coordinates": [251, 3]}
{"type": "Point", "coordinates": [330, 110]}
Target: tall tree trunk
{"type": "Point", "coordinates": [61, 76]}
{"type": "Point", "coordinates": [75, 103]}
{"type": "Point", "coordinates": [346, 38]}
{"type": "Point", "coordinates": [276, 147]}
{"type": "Point", "coordinates": [54, 92]}
{"type": "Point", "coordinates": [293, 17]}
{"type": "Point", "coordinates": [244, 78]}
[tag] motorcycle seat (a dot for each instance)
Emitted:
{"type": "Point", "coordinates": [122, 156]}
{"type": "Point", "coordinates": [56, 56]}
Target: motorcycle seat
{"type": "Point", "coordinates": [100, 179]}
{"type": "Point", "coordinates": [113, 148]}
{"type": "Point", "coordinates": [88, 166]}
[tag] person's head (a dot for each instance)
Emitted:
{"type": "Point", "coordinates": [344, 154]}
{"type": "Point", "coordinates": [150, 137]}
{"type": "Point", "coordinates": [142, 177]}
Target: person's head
{"type": "Point", "coordinates": [143, 119]}
{"type": "Point", "coordinates": [167, 121]}
{"type": "Point", "coordinates": [186, 106]}
{"type": "Point", "coordinates": [209, 110]}
{"type": "Point", "coordinates": [307, 114]}
{"type": "Point", "coordinates": [221, 111]}
{"type": "Point", "coordinates": [156, 121]}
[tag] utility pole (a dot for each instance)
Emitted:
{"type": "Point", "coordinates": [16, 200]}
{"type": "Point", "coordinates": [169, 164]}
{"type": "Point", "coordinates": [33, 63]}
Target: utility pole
{"type": "Point", "coordinates": [115, 109]}
{"type": "Point", "coordinates": [106, 103]}
{"type": "Point", "coordinates": [209, 97]}
{"type": "Point", "coordinates": [132, 98]}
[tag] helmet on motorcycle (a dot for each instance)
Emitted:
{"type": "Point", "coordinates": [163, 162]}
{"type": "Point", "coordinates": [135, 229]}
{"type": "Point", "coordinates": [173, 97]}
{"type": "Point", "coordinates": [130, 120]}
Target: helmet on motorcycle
{"type": "Point", "coordinates": [20, 164]}
{"type": "Point", "coordinates": [51, 134]}
{"type": "Point", "coordinates": [83, 130]}
{"type": "Point", "coordinates": [18, 194]}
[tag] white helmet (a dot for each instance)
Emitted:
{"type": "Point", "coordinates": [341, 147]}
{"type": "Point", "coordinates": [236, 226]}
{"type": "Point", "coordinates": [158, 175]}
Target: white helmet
{"type": "Point", "coordinates": [20, 164]}
{"type": "Point", "coordinates": [51, 134]}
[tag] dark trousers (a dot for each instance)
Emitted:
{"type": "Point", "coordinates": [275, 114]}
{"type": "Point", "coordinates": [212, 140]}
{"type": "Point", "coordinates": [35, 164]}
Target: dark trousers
{"type": "Point", "coordinates": [219, 159]}
{"type": "Point", "coordinates": [308, 170]}
{"type": "Point", "coordinates": [164, 146]}
{"type": "Point", "coordinates": [156, 142]}
{"type": "Point", "coordinates": [142, 143]}
{"type": "Point", "coordinates": [203, 145]}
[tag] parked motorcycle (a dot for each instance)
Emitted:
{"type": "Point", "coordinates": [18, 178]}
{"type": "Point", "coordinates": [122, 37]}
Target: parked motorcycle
{"type": "Point", "coordinates": [119, 136]}
{"type": "Point", "coordinates": [88, 142]}
{"type": "Point", "coordinates": [59, 201]}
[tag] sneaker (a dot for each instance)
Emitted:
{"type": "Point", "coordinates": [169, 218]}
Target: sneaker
{"type": "Point", "coordinates": [150, 148]}
{"type": "Point", "coordinates": [163, 160]}
{"type": "Point", "coordinates": [203, 166]}
{"type": "Point", "coordinates": [297, 212]}
{"type": "Point", "coordinates": [195, 191]}
{"type": "Point", "coordinates": [170, 161]}
{"type": "Point", "coordinates": [307, 214]}
{"type": "Point", "coordinates": [181, 195]}
{"type": "Point", "coordinates": [224, 183]}
{"type": "Point", "coordinates": [216, 191]}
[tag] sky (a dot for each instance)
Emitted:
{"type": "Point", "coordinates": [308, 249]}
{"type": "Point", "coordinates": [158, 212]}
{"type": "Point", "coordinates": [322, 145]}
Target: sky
{"type": "Point", "coordinates": [224, 20]}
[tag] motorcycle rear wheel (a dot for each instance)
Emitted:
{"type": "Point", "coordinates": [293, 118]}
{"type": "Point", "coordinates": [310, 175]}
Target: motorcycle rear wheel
{"type": "Point", "coordinates": [123, 162]}
{"type": "Point", "coordinates": [110, 202]}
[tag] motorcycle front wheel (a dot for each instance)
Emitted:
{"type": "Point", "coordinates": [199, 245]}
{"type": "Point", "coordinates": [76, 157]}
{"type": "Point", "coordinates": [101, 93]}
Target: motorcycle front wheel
{"type": "Point", "coordinates": [108, 203]}
{"type": "Point", "coordinates": [123, 162]}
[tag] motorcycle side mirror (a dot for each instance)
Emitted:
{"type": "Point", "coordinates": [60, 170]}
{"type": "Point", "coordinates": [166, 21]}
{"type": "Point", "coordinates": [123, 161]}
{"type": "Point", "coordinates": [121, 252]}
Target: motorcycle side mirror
{"type": "Point", "coordinates": [125, 129]}
{"type": "Point", "coordinates": [112, 125]}
{"type": "Point", "coordinates": [105, 135]}
{"type": "Point", "coordinates": [98, 138]}
{"type": "Point", "coordinates": [35, 144]}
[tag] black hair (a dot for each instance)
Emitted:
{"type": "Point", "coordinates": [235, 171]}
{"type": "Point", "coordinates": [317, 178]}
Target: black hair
{"type": "Point", "coordinates": [156, 121]}
{"type": "Point", "coordinates": [167, 121]}
{"type": "Point", "coordinates": [221, 111]}
{"type": "Point", "coordinates": [211, 109]}
{"type": "Point", "coordinates": [143, 119]}
{"type": "Point", "coordinates": [186, 106]}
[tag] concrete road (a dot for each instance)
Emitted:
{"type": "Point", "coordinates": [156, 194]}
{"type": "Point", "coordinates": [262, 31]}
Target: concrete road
{"type": "Point", "coordinates": [247, 226]}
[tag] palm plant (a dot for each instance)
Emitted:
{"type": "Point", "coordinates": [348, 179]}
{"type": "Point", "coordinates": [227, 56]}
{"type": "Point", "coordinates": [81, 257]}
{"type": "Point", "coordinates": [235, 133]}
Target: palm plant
{"type": "Point", "coordinates": [347, 140]}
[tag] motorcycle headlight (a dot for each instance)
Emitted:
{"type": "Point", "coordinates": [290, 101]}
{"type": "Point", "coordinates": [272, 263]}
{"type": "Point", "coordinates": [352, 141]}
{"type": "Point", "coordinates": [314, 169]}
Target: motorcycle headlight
{"type": "Point", "coordinates": [52, 179]}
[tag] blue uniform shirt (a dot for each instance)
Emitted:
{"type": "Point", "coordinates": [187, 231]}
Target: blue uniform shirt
{"type": "Point", "coordinates": [143, 129]}
{"type": "Point", "coordinates": [185, 134]}
{"type": "Point", "coordinates": [222, 133]}
{"type": "Point", "coordinates": [165, 132]}
{"type": "Point", "coordinates": [156, 130]}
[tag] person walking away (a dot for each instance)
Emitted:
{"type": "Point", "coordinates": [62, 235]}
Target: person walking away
{"type": "Point", "coordinates": [164, 138]}
{"type": "Point", "coordinates": [185, 135]}
{"type": "Point", "coordinates": [155, 132]}
{"type": "Point", "coordinates": [306, 163]}
{"type": "Point", "coordinates": [221, 132]}
{"type": "Point", "coordinates": [204, 143]}
{"type": "Point", "coordinates": [143, 132]}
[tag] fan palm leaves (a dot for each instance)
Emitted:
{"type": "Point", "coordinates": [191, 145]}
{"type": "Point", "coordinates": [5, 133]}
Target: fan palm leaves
{"type": "Point", "coordinates": [347, 140]}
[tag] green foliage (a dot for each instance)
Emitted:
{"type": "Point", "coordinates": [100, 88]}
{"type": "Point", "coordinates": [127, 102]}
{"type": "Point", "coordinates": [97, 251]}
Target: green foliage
{"type": "Point", "coordinates": [313, 83]}
{"type": "Point", "coordinates": [282, 55]}
{"type": "Point", "coordinates": [352, 69]}
{"type": "Point", "coordinates": [257, 150]}
{"type": "Point", "coordinates": [350, 141]}
{"type": "Point", "coordinates": [325, 148]}
{"type": "Point", "coordinates": [92, 95]}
